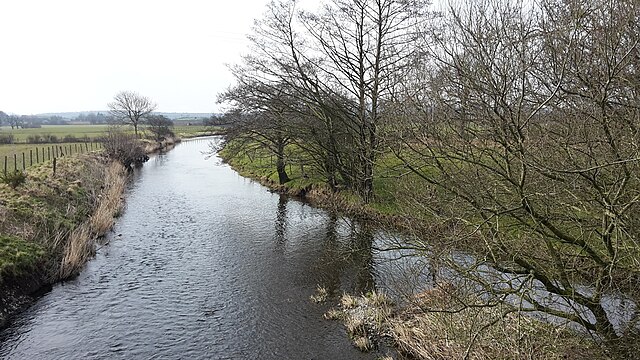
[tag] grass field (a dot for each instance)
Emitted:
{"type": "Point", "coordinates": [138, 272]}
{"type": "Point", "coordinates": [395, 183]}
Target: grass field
{"type": "Point", "coordinates": [60, 131]}
{"type": "Point", "coordinates": [92, 132]}
{"type": "Point", "coordinates": [22, 156]}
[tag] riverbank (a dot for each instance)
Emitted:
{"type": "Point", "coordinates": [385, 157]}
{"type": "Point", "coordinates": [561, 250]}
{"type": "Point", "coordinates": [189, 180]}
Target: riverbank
{"type": "Point", "coordinates": [50, 222]}
{"type": "Point", "coordinates": [438, 323]}
{"type": "Point", "coordinates": [152, 147]}
{"type": "Point", "coordinates": [51, 218]}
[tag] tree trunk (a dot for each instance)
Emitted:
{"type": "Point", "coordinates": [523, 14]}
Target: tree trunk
{"type": "Point", "coordinates": [281, 165]}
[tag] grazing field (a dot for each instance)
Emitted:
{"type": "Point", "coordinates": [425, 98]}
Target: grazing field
{"type": "Point", "coordinates": [21, 156]}
{"type": "Point", "coordinates": [67, 133]}
{"type": "Point", "coordinates": [59, 131]}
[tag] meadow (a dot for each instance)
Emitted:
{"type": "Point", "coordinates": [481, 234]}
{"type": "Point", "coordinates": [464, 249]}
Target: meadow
{"type": "Point", "coordinates": [59, 140]}
{"type": "Point", "coordinates": [60, 131]}
{"type": "Point", "coordinates": [81, 131]}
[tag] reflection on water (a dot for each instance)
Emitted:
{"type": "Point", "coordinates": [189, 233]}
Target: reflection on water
{"type": "Point", "coordinates": [281, 220]}
{"type": "Point", "coordinates": [206, 264]}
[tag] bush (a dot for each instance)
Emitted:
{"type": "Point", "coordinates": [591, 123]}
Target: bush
{"type": "Point", "coordinates": [34, 139]}
{"type": "Point", "coordinates": [160, 127]}
{"type": "Point", "coordinates": [6, 139]}
{"type": "Point", "coordinates": [14, 179]}
{"type": "Point", "coordinates": [124, 148]}
{"type": "Point", "coordinates": [70, 139]}
{"type": "Point", "coordinates": [48, 138]}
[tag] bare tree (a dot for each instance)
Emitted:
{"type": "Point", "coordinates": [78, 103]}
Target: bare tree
{"type": "Point", "coordinates": [15, 121]}
{"type": "Point", "coordinates": [131, 108]}
{"type": "Point", "coordinates": [340, 64]}
{"type": "Point", "coordinates": [160, 127]}
{"type": "Point", "coordinates": [264, 118]}
{"type": "Point", "coordinates": [365, 47]}
{"type": "Point", "coordinates": [524, 134]}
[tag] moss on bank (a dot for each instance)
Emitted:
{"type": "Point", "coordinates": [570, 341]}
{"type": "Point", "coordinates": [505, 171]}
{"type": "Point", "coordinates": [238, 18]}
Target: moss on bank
{"type": "Point", "coordinates": [18, 257]}
{"type": "Point", "coordinates": [48, 225]}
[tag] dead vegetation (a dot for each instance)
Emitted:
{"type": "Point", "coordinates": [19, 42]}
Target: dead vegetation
{"type": "Point", "coordinates": [432, 325]}
{"type": "Point", "coordinates": [80, 246]}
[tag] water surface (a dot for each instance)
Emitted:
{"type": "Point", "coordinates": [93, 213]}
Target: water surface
{"type": "Point", "coordinates": [203, 264]}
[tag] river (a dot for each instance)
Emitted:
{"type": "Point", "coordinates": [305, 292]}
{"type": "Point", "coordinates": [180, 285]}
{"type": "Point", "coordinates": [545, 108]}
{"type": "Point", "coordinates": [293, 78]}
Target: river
{"type": "Point", "coordinates": [203, 263]}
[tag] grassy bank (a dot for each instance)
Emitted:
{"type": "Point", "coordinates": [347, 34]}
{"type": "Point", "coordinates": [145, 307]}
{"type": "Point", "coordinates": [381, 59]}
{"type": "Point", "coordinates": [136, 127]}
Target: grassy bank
{"type": "Point", "coordinates": [49, 223]}
{"type": "Point", "coordinates": [393, 189]}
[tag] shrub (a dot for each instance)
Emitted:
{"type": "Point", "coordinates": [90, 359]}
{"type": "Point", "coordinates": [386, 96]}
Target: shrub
{"type": "Point", "coordinates": [124, 148]}
{"type": "Point", "coordinates": [6, 139]}
{"type": "Point", "coordinates": [14, 179]}
{"type": "Point", "coordinates": [34, 139]}
{"type": "Point", "coordinates": [160, 127]}
{"type": "Point", "coordinates": [70, 139]}
{"type": "Point", "coordinates": [48, 138]}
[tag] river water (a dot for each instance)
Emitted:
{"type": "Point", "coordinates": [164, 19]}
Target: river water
{"type": "Point", "coordinates": [204, 263]}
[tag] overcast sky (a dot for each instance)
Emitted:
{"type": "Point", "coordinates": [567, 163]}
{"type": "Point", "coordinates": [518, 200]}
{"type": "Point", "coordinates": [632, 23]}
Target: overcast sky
{"type": "Point", "coordinates": [75, 55]}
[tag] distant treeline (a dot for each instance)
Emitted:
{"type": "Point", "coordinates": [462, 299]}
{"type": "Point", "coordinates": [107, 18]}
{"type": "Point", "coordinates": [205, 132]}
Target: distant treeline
{"type": "Point", "coordinates": [36, 121]}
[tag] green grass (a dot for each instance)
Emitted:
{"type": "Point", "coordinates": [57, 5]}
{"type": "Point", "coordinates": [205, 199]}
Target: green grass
{"type": "Point", "coordinates": [18, 257]}
{"type": "Point", "coordinates": [395, 187]}
{"type": "Point", "coordinates": [38, 216]}
{"type": "Point", "coordinates": [194, 130]}
{"type": "Point", "coordinates": [60, 131]}
{"type": "Point", "coordinates": [30, 157]}
{"type": "Point", "coordinates": [260, 164]}
{"type": "Point", "coordinates": [93, 131]}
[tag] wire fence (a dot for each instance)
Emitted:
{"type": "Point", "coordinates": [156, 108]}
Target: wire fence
{"type": "Point", "coordinates": [21, 160]}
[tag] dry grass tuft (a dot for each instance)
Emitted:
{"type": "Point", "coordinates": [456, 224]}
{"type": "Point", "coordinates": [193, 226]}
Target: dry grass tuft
{"type": "Point", "coordinates": [435, 325]}
{"type": "Point", "coordinates": [348, 301]}
{"type": "Point", "coordinates": [363, 343]}
{"type": "Point", "coordinates": [320, 295]}
{"type": "Point", "coordinates": [110, 203]}
{"type": "Point", "coordinates": [377, 299]}
{"type": "Point", "coordinates": [80, 246]}
{"type": "Point", "coordinates": [355, 326]}
{"type": "Point", "coordinates": [434, 328]}
{"type": "Point", "coordinates": [79, 249]}
{"type": "Point", "coordinates": [333, 314]}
